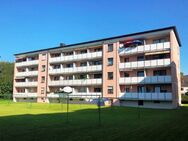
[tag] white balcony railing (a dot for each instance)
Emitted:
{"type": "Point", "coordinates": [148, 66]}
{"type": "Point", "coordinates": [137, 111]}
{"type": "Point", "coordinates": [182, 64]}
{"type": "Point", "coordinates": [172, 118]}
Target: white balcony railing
{"type": "Point", "coordinates": [77, 94]}
{"type": "Point", "coordinates": [26, 84]}
{"type": "Point", "coordinates": [145, 80]}
{"type": "Point", "coordinates": [145, 48]}
{"type": "Point", "coordinates": [146, 96]}
{"type": "Point", "coordinates": [25, 95]}
{"type": "Point", "coordinates": [75, 82]}
{"type": "Point", "coordinates": [27, 63]}
{"type": "Point", "coordinates": [76, 69]}
{"type": "Point", "coordinates": [145, 64]}
{"type": "Point", "coordinates": [27, 73]}
{"type": "Point", "coordinates": [76, 57]}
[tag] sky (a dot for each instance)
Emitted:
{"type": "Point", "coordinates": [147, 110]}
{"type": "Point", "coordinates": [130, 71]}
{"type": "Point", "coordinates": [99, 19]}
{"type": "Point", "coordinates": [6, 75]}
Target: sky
{"type": "Point", "coordinates": [27, 25]}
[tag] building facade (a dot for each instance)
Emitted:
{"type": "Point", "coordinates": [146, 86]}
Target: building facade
{"type": "Point", "coordinates": [139, 69]}
{"type": "Point", "coordinates": [184, 84]}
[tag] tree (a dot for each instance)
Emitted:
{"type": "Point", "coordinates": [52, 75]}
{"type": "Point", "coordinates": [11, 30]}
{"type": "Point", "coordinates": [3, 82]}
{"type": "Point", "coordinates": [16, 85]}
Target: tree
{"type": "Point", "coordinates": [6, 78]}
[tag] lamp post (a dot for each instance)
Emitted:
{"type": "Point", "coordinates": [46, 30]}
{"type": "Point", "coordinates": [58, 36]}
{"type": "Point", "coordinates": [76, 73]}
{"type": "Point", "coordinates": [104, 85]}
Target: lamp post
{"type": "Point", "coordinates": [67, 90]}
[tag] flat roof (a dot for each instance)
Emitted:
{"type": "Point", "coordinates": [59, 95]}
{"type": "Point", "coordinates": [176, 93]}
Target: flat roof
{"type": "Point", "coordinates": [105, 39]}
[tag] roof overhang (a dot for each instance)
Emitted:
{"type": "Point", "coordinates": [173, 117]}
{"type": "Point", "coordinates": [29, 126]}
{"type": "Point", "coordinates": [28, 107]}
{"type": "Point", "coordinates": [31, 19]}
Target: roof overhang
{"type": "Point", "coordinates": [138, 35]}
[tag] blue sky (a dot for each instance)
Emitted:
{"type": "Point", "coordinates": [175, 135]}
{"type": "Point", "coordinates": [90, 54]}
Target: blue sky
{"type": "Point", "coordinates": [27, 25]}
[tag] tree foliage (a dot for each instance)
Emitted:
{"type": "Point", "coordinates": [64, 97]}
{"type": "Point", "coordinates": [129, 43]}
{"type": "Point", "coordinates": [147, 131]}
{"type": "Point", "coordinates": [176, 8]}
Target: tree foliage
{"type": "Point", "coordinates": [6, 78]}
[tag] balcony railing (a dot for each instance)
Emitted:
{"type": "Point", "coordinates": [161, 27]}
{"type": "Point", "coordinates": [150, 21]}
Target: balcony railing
{"type": "Point", "coordinates": [145, 80]}
{"type": "Point", "coordinates": [77, 94]}
{"type": "Point", "coordinates": [76, 57]}
{"type": "Point", "coordinates": [146, 96]}
{"type": "Point", "coordinates": [76, 82]}
{"type": "Point", "coordinates": [24, 95]}
{"type": "Point", "coordinates": [76, 69]}
{"type": "Point", "coordinates": [27, 73]}
{"type": "Point", "coordinates": [145, 64]}
{"type": "Point", "coordinates": [145, 48]}
{"type": "Point", "coordinates": [26, 84]}
{"type": "Point", "coordinates": [27, 63]}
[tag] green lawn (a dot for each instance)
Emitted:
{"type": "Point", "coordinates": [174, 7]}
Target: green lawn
{"type": "Point", "coordinates": [38, 122]}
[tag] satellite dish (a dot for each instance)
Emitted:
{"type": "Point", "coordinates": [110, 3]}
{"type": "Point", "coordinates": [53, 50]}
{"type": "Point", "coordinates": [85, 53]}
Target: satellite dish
{"type": "Point", "coordinates": [67, 89]}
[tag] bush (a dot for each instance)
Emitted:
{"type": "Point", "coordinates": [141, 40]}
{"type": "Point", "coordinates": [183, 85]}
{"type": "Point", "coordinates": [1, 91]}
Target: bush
{"type": "Point", "coordinates": [184, 99]}
{"type": "Point", "coordinates": [186, 93]}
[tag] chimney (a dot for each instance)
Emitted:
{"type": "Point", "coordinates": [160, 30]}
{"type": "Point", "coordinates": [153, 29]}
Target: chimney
{"type": "Point", "coordinates": [62, 44]}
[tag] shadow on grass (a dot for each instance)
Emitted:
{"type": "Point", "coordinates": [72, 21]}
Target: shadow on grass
{"type": "Point", "coordinates": [117, 123]}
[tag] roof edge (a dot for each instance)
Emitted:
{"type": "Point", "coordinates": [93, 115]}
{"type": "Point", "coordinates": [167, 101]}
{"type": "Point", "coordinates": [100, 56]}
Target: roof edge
{"type": "Point", "coordinates": [110, 38]}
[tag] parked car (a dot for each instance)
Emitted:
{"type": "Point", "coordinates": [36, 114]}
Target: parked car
{"type": "Point", "coordinates": [100, 102]}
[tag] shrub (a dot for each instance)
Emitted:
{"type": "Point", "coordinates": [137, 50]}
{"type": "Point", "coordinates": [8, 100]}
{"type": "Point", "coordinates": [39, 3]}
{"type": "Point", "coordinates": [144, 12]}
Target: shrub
{"type": "Point", "coordinates": [184, 99]}
{"type": "Point", "coordinates": [186, 93]}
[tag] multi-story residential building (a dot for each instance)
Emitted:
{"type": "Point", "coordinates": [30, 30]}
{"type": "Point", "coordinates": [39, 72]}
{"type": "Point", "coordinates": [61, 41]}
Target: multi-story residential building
{"type": "Point", "coordinates": [139, 69]}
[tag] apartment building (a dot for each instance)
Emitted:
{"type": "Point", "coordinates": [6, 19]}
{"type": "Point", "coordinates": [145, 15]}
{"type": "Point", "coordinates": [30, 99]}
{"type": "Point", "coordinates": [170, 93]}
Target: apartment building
{"type": "Point", "coordinates": [139, 69]}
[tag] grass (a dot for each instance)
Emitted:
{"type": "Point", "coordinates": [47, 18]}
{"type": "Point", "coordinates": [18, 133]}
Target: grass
{"type": "Point", "coordinates": [38, 122]}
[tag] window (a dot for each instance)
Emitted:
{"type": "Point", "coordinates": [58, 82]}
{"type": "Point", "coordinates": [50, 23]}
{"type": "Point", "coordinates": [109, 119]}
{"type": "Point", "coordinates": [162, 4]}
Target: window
{"type": "Point", "coordinates": [126, 74]}
{"type": "Point", "coordinates": [159, 72]}
{"type": "Point", "coordinates": [83, 51]}
{"type": "Point", "coordinates": [110, 89]}
{"type": "Point", "coordinates": [99, 75]}
{"type": "Point", "coordinates": [140, 58]}
{"type": "Point", "coordinates": [159, 56]}
{"type": "Point", "coordinates": [32, 58]}
{"type": "Point", "coordinates": [97, 49]}
{"type": "Point", "coordinates": [69, 65]}
{"type": "Point", "coordinates": [42, 79]}
{"type": "Point", "coordinates": [110, 61]}
{"type": "Point", "coordinates": [110, 75]}
{"type": "Point", "coordinates": [140, 89]}
{"type": "Point", "coordinates": [97, 89]}
{"type": "Point", "coordinates": [68, 53]}
{"type": "Point", "coordinates": [82, 89]}
{"type": "Point", "coordinates": [56, 67]}
{"type": "Point", "coordinates": [56, 78]}
{"type": "Point", "coordinates": [93, 63]}
{"type": "Point", "coordinates": [140, 73]}
{"type": "Point", "coordinates": [110, 47]}
{"type": "Point", "coordinates": [70, 77]}
{"type": "Point", "coordinates": [43, 68]}
{"type": "Point", "coordinates": [162, 40]}
{"type": "Point", "coordinates": [42, 90]}
{"type": "Point", "coordinates": [31, 69]}
{"type": "Point", "coordinates": [126, 60]}
{"type": "Point", "coordinates": [127, 90]}
{"type": "Point", "coordinates": [83, 64]}
{"type": "Point", "coordinates": [83, 76]}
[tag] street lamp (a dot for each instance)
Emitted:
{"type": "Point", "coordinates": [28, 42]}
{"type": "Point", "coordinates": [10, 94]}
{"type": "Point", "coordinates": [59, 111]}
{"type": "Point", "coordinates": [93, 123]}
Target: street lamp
{"type": "Point", "coordinates": [67, 90]}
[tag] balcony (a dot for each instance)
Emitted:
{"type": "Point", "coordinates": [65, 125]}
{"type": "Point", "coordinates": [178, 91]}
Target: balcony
{"type": "Point", "coordinates": [27, 63]}
{"type": "Point", "coordinates": [92, 55]}
{"type": "Point", "coordinates": [26, 84]}
{"type": "Point", "coordinates": [146, 96]}
{"type": "Point", "coordinates": [145, 48]}
{"type": "Point", "coordinates": [27, 73]}
{"type": "Point", "coordinates": [77, 94]}
{"type": "Point", "coordinates": [145, 64]}
{"type": "Point", "coordinates": [93, 68]}
{"type": "Point", "coordinates": [145, 80]}
{"type": "Point", "coordinates": [78, 82]}
{"type": "Point", "coordinates": [24, 95]}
